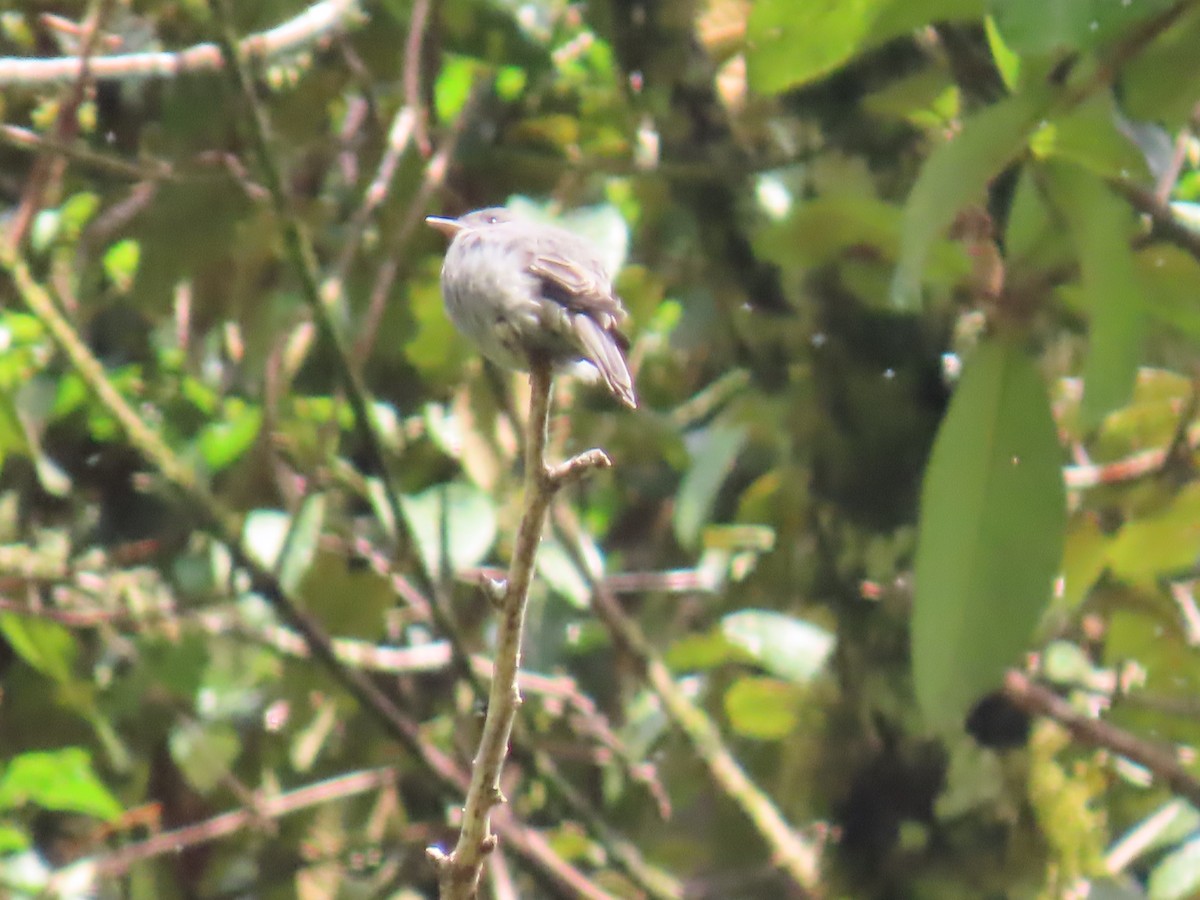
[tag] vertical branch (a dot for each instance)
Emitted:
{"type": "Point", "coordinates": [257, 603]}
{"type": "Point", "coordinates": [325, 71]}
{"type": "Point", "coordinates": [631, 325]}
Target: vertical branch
{"type": "Point", "coordinates": [459, 872]}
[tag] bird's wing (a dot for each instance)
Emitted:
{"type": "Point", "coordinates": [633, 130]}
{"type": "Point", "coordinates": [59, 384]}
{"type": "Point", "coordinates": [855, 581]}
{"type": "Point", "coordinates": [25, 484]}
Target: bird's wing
{"type": "Point", "coordinates": [580, 288]}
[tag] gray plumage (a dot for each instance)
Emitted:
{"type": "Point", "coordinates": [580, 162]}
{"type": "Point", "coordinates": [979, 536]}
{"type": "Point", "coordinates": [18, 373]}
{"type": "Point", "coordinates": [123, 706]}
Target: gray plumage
{"type": "Point", "coordinates": [521, 289]}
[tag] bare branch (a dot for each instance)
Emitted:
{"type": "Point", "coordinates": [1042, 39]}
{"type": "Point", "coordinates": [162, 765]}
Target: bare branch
{"type": "Point", "coordinates": [459, 872]}
{"type": "Point", "coordinates": [319, 21]}
{"type": "Point", "coordinates": [1162, 761]}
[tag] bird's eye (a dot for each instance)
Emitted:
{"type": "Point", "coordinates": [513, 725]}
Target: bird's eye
{"type": "Point", "coordinates": [492, 220]}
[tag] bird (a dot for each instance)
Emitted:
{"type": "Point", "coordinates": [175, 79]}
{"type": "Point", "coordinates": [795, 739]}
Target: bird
{"type": "Point", "coordinates": [527, 292]}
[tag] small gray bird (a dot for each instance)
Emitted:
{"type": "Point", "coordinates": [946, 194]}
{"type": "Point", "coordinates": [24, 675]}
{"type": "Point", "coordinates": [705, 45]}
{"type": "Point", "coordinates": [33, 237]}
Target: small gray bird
{"type": "Point", "coordinates": [525, 290]}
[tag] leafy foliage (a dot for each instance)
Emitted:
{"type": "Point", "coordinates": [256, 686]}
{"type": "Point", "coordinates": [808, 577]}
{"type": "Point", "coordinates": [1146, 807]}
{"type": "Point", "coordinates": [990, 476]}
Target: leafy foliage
{"type": "Point", "coordinates": [912, 291]}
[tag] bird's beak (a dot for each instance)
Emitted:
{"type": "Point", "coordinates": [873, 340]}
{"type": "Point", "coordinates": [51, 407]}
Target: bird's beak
{"type": "Point", "coordinates": [448, 227]}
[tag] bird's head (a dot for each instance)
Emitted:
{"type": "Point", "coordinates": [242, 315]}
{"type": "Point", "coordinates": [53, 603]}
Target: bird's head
{"type": "Point", "coordinates": [472, 221]}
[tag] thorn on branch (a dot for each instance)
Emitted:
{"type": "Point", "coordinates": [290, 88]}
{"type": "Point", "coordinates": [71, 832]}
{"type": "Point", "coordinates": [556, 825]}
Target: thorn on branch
{"type": "Point", "coordinates": [495, 589]}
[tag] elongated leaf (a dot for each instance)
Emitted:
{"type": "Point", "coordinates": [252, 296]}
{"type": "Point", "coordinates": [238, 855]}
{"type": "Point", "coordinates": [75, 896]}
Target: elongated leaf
{"type": "Point", "coordinates": [1178, 875]}
{"type": "Point", "coordinates": [1100, 227]}
{"type": "Point", "coordinates": [455, 516]}
{"type": "Point", "coordinates": [711, 463]}
{"type": "Point", "coordinates": [956, 174]}
{"type": "Point", "coordinates": [989, 543]}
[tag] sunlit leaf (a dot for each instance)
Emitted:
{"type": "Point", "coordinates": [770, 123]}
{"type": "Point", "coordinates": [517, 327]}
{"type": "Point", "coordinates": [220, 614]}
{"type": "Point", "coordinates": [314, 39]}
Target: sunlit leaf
{"type": "Point", "coordinates": [42, 643]}
{"type": "Point", "coordinates": [694, 652]}
{"type": "Point", "coordinates": [121, 263]}
{"type": "Point", "coordinates": [453, 85]}
{"type": "Point", "coordinates": [223, 441]}
{"type": "Point", "coordinates": [1177, 876]}
{"type": "Point", "coordinates": [60, 780]}
{"type": "Point", "coordinates": [1165, 541]}
{"type": "Point", "coordinates": [990, 537]}
{"type": "Point", "coordinates": [1084, 558]}
{"type": "Point", "coordinates": [762, 708]}
{"type": "Point", "coordinates": [12, 839]}
{"type": "Point", "coordinates": [1170, 823]}
{"type": "Point", "coordinates": [790, 648]}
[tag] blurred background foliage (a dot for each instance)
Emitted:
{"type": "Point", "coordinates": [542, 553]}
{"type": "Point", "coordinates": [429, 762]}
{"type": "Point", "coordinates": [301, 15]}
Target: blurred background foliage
{"type": "Point", "coordinates": [843, 231]}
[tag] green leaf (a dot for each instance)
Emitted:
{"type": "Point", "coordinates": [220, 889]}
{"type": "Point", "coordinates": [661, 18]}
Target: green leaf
{"type": "Point", "coordinates": [1170, 279]}
{"type": "Point", "coordinates": [222, 442]}
{"type": "Point", "coordinates": [1167, 825]}
{"type": "Point", "coordinates": [1084, 559]}
{"type": "Point", "coordinates": [791, 43]}
{"type": "Point", "coordinates": [455, 515]}
{"type": "Point", "coordinates": [1101, 226]}
{"type": "Point", "coordinates": [12, 432]}
{"type": "Point", "coordinates": [59, 780]}
{"type": "Point", "coordinates": [763, 708]}
{"type": "Point", "coordinates": [1034, 235]}
{"type": "Point", "coordinates": [990, 537]}
{"type": "Point", "coordinates": [1007, 62]}
{"type": "Point", "coordinates": [453, 85]}
{"type": "Point", "coordinates": [121, 263]}
{"type": "Point", "coordinates": [12, 839]}
{"type": "Point", "coordinates": [1164, 542]}
{"type": "Point", "coordinates": [1088, 135]}
{"type": "Point", "coordinates": [701, 651]}
{"type": "Point", "coordinates": [555, 565]}
{"type": "Point", "coordinates": [1177, 877]}
{"type": "Point", "coordinates": [205, 752]}
{"type": "Point", "coordinates": [712, 462]}
{"type": "Point", "coordinates": [1160, 84]}
{"type": "Point", "coordinates": [789, 648]}
{"type": "Point", "coordinates": [956, 174]}
{"type": "Point", "coordinates": [1044, 27]}
{"type": "Point", "coordinates": [45, 645]}
{"type": "Point", "coordinates": [300, 548]}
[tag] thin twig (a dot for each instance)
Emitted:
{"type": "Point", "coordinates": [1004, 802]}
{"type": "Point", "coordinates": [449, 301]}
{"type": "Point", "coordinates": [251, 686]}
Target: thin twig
{"type": "Point", "coordinates": [48, 168]}
{"type": "Point", "coordinates": [317, 22]}
{"type": "Point", "coordinates": [417, 21]}
{"type": "Point", "coordinates": [431, 182]}
{"type": "Point", "coordinates": [1160, 760]}
{"type": "Point", "coordinates": [1130, 468]}
{"type": "Point", "coordinates": [1165, 223]}
{"type": "Point", "coordinates": [459, 871]}
{"type": "Point", "coordinates": [225, 824]}
{"type": "Point", "coordinates": [226, 528]}
{"type": "Point", "coordinates": [798, 857]}
{"type": "Point", "coordinates": [301, 256]}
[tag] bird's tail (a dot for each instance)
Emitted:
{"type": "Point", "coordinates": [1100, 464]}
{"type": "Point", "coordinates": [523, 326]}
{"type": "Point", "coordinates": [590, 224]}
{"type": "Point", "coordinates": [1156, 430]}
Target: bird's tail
{"type": "Point", "coordinates": [600, 347]}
